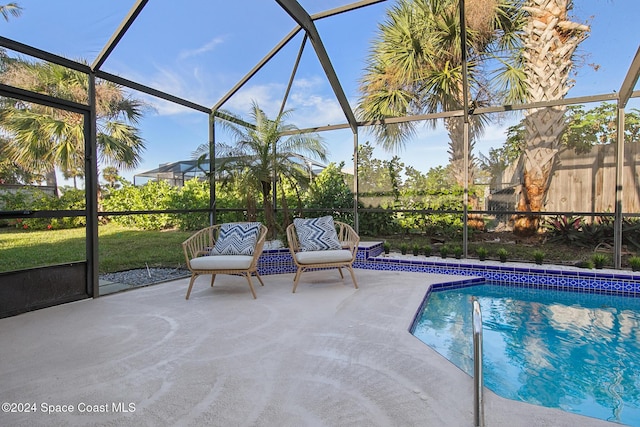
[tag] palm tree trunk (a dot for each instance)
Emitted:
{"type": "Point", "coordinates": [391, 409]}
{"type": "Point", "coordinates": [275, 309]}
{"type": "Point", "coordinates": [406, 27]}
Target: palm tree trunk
{"type": "Point", "coordinates": [539, 157]}
{"type": "Point", "coordinates": [455, 130]}
{"type": "Point", "coordinates": [286, 218]}
{"type": "Point", "coordinates": [268, 209]}
{"type": "Point", "coordinates": [550, 41]}
{"type": "Point", "coordinates": [252, 211]}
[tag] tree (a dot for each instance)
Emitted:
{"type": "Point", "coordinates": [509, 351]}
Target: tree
{"type": "Point", "coordinates": [110, 175]}
{"type": "Point", "coordinates": [262, 155]}
{"type": "Point", "coordinates": [43, 138]}
{"type": "Point", "coordinates": [598, 126]}
{"type": "Point", "coordinates": [10, 173]}
{"type": "Point", "coordinates": [550, 39]}
{"type": "Point", "coordinates": [329, 190]}
{"type": "Point", "coordinates": [375, 180]}
{"type": "Point", "coordinates": [10, 9]}
{"type": "Point", "coordinates": [416, 67]}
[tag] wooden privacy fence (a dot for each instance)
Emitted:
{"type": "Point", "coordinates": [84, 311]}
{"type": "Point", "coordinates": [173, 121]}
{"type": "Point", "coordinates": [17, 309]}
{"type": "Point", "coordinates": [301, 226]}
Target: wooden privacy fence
{"type": "Point", "coordinates": [581, 182]}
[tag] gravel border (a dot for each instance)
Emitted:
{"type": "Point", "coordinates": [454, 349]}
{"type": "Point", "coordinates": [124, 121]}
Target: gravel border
{"type": "Point", "coordinates": [150, 276]}
{"type": "Point", "coordinates": [145, 276]}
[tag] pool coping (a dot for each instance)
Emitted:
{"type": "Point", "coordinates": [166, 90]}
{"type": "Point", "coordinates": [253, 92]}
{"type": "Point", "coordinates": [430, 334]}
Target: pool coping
{"type": "Point", "coordinates": [370, 256]}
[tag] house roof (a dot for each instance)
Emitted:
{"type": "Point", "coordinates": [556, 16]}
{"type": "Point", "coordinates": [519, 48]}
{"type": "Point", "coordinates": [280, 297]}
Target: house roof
{"type": "Point", "coordinates": [183, 170]}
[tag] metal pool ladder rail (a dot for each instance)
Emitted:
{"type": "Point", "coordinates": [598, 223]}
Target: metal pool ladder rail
{"type": "Point", "coordinates": [478, 402]}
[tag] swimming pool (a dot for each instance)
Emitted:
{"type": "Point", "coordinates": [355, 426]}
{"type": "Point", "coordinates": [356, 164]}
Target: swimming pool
{"type": "Point", "coordinates": [579, 352]}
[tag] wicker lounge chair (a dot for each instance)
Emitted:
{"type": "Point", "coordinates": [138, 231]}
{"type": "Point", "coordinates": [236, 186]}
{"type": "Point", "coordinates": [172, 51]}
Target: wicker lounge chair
{"type": "Point", "coordinates": [313, 246]}
{"type": "Point", "coordinates": [229, 248]}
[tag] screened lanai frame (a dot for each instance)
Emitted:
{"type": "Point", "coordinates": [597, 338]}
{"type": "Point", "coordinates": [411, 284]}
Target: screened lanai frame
{"type": "Point", "coordinates": [306, 23]}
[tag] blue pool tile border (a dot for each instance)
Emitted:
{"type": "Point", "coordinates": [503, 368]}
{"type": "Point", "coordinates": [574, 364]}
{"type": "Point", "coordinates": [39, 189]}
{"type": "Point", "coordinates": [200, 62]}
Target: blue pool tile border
{"type": "Point", "coordinates": [370, 256]}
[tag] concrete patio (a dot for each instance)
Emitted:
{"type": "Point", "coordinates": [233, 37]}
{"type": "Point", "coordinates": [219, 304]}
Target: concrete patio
{"type": "Point", "coordinates": [328, 355]}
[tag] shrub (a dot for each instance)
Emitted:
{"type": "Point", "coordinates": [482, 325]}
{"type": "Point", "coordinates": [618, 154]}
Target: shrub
{"type": "Point", "coordinates": [151, 196]}
{"type": "Point", "coordinates": [538, 256]}
{"type": "Point", "coordinates": [585, 264]}
{"type": "Point", "coordinates": [404, 248]}
{"type": "Point", "coordinates": [194, 194]}
{"type": "Point", "coordinates": [444, 251]}
{"type": "Point", "coordinates": [599, 260]}
{"type": "Point", "coordinates": [36, 200]}
{"type": "Point", "coordinates": [427, 250]}
{"type": "Point", "coordinates": [634, 263]}
{"type": "Point", "coordinates": [565, 229]}
{"type": "Point", "coordinates": [457, 252]}
{"type": "Point", "coordinates": [387, 247]}
{"type": "Point", "coordinates": [416, 249]}
{"type": "Point", "coordinates": [377, 223]}
{"type": "Point", "coordinates": [502, 254]}
{"type": "Point", "coordinates": [482, 253]}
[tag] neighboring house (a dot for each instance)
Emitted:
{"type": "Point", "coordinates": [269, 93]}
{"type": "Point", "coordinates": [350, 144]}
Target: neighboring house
{"type": "Point", "coordinates": [15, 188]}
{"type": "Point", "coordinates": [177, 173]}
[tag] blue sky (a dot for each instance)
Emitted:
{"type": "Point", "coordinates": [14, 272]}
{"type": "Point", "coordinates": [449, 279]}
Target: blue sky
{"type": "Point", "coordinates": [199, 50]}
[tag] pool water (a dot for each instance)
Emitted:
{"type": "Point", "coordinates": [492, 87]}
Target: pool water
{"type": "Point", "coordinates": [575, 351]}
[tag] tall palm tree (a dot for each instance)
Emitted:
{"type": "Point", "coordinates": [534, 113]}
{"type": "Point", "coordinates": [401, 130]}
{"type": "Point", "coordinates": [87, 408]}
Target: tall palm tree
{"type": "Point", "coordinates": [263, 153]}
{"type": "Point", "coordinates": [44, 138]}
{"type": "Point", "coordinates": [550, 41]}
{"type": "Point", "coordinates": [415, 67]}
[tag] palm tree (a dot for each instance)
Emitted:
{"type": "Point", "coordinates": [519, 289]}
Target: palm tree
{"type": "Point", "coordinates": [10, 9]}
{"type": "Point", "coordinates": [415, 67]}
{"type": "Point", "coordinates": [43, 138]}
{"type": "Point", "coordinates": [110, 174]}
{"type": "Point", "coordinates": [550, 40]}
{"type": "Point", "coordinates": [263, 153]}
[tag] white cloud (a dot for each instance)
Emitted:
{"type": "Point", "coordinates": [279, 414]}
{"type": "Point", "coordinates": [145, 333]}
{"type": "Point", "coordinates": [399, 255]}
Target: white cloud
{"type": "Point", "coordinates": [267, 96]}
{"type": "Point", "coordinates": [207, 47]}
{"type": "Point", "coordinates": [192, 85]}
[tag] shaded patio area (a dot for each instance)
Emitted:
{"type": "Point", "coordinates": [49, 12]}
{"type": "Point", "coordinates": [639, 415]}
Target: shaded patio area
{"type": "Point", "coordinates": [328, 355]}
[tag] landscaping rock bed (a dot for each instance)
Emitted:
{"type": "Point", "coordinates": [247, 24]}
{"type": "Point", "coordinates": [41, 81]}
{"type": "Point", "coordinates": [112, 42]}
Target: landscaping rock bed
{"type": "Point", "coordinates": [145, 276]}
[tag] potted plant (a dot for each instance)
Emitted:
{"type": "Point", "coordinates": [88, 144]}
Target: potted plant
{"type": "Point", "coordinates": [387, 247]}
{"type": "Point", "coordinates": [427, 250]}
{"type": "Point", "coordinates": [404, 248]}
{"type": "Point", "coordinates": [444, 251]}
{"type": "Point", "coordinates": [634, 263]}
{"type": "Point", "coordinates": [482, 253]}
{"type": "Point", "coordinates": [416, 249]}
{"type": "Point", "coordinates": [599, 260]}
{"type": "Point", "coordinates": [538, 256]}
{"type": "Point", "coordinates": [457, 252]}
{"type": "Point", "coordinates": [502, 254]}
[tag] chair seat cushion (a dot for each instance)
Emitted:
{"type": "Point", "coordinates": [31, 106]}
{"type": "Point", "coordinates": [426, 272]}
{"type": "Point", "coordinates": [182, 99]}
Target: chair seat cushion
{"type": "Point", "coordinates": [321, 257]}
{"type": "Point", "coordinates": [222, 262]}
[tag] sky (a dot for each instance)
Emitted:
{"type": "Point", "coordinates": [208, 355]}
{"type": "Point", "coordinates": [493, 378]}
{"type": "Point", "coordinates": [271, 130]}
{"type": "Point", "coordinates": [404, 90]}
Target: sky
{"type": "Point", "coordinates": [198, 50]}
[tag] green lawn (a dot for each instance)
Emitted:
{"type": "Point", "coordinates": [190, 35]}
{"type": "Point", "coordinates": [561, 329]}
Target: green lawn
{"type": "Point", "coordinates": [120, 248]}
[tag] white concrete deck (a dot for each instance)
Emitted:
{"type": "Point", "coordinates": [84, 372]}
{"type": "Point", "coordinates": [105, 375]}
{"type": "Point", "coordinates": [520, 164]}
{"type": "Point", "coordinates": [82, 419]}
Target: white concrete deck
{"type": "Point", "coordinates": [328, 355]}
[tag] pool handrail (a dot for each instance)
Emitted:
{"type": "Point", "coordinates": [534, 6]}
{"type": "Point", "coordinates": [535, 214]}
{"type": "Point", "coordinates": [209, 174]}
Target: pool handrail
{"type": "Point", "coordinates": [478, 402]}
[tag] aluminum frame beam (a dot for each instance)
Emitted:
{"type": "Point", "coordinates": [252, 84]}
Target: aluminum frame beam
{"type": "Point", "coordinates": [256, 68]}
{"type": "Point", "coordinates": [630, 81]}
{"type": "Point", "coordinates": [118, 34]}
{"type": "Point", "coordinates": [300, 15]}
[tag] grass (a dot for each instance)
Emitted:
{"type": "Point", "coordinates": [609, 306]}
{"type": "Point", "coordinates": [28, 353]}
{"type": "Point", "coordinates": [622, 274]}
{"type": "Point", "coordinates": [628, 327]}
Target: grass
{"type": "Point", "coordinates": [119, 249]}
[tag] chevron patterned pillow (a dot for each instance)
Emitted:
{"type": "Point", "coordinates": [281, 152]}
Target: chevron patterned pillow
{"type": "Point", "coordinates": [237, 239]}
{"type": "Point", "coordinates": [317, 234]}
